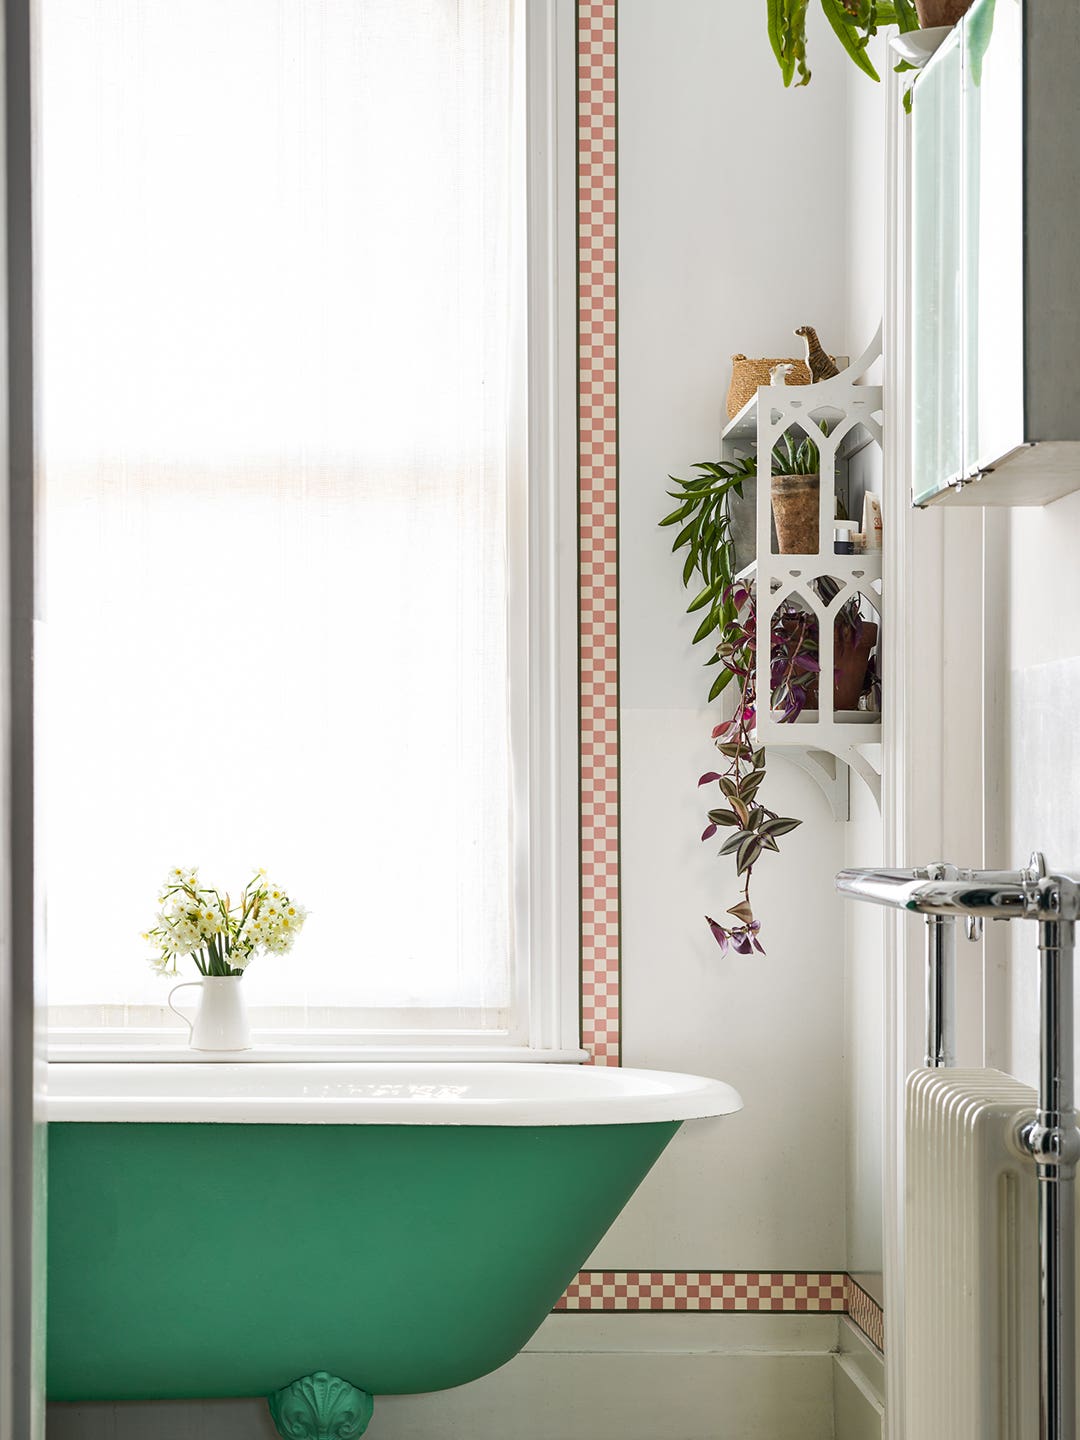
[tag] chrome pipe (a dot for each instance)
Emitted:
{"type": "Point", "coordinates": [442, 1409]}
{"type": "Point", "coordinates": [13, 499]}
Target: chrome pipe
{"type": "Point", "coordinates": [1054, 1143]}
{"type": "Point", "coordinates": [940, 991]}
{"type": "Point", "coordinates": [940, 979]}
{"type": "Point", "coordinates": [993, 896]}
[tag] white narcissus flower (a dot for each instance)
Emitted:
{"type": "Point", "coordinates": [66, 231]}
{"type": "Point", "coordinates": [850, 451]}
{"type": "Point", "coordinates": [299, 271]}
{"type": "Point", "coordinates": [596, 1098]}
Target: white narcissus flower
{"type": "Point", "coordinates": [190, 919]}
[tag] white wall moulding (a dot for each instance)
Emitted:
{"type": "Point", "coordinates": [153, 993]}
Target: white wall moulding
{"type": "Point", "coordinates": [840, 416]}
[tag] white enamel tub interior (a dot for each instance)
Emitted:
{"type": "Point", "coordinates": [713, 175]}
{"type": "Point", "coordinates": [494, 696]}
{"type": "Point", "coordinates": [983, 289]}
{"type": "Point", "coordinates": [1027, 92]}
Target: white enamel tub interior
{"type": "Point", "coordinates": [400, 1093]}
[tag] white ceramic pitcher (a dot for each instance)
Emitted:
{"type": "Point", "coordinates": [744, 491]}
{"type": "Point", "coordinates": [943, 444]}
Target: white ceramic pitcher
{"type": "Point", "coordinates": [221, 1021]}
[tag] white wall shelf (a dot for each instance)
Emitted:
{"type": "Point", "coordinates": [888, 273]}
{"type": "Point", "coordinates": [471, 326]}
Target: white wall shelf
{"type": "Point", "coordinates": [823, 742]}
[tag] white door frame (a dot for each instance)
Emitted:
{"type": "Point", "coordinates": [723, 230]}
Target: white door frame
{"type": "Point", "coordinates": [936, 672]}
{"type": "Point", "coordinates": [22, 1148]}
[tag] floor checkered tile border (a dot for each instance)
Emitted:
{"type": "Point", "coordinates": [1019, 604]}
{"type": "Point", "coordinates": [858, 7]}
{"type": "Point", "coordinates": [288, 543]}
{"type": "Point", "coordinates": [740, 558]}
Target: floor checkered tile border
{"type": "Point", "coordinates": [864, 1312]}
{"type": "Point", "coordinates": [723, 1290]}
{"type": "Point", "coordinates": [598, 477]}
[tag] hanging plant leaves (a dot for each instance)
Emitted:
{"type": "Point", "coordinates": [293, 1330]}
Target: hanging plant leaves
{"type": "Point", "coordinates": [728, 623]}
{"type": "Point", "coordinates": [779, 826]}
{"type": "Point", "coordinates": [723, 817]}
{"type": "Point", "coordinates": [747, 853]}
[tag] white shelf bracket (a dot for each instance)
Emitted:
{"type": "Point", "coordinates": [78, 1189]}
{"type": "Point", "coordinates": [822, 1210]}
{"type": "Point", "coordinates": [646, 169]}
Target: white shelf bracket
{"type": "Point", "coordinates": [829, 773]}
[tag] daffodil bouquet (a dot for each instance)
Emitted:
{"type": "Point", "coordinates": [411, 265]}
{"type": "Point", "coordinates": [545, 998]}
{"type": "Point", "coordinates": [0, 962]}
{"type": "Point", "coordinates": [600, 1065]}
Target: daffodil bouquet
{"type": "Point", "coordinates": [221, 936]}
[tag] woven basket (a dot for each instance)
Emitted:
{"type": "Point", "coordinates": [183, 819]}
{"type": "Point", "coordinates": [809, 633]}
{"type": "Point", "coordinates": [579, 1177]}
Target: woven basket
{"type": "Point", "coordinates": [747, 375]}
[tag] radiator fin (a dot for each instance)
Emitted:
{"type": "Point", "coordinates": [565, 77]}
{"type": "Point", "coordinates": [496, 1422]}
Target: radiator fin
{"type": "Point", "coordinates": [970, 1259]}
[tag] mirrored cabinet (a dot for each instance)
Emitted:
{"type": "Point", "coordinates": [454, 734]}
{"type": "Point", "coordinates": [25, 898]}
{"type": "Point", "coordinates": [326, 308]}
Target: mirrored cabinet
{"type": "Point", "coordinates": [994, 313]}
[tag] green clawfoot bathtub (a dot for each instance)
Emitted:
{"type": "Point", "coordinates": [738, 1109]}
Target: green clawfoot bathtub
{"type": "Point", "coordinates": [222, 1229]}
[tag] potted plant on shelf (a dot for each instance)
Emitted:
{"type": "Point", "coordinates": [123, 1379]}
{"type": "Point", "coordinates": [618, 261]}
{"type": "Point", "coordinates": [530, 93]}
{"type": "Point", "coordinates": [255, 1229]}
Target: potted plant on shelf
{"type": "Point", "coordinates": [731, 617]}
{"type": "Point", "coordinates": [794, 488]}
{"type": "Point", "coordinates": [854, 22]}
{"type": "Point", "coordinates": [222, 938]}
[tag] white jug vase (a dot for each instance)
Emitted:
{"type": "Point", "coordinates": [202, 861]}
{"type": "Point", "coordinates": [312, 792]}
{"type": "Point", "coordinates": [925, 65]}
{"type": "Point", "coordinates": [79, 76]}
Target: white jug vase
{"type": "Point", "coordinates": [221, 1021]}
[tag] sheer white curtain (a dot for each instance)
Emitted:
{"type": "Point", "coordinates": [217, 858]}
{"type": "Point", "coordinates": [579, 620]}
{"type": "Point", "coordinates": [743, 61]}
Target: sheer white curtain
{"type": "Point", "coordinates": [280, 323]}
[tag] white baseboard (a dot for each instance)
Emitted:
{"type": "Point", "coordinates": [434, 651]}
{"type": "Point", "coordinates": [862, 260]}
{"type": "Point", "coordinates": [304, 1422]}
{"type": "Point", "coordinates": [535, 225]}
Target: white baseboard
{"type": "Point", "coordinates": [716, 1377]}
{"type": "Point", "coordinates": [858, 1388]}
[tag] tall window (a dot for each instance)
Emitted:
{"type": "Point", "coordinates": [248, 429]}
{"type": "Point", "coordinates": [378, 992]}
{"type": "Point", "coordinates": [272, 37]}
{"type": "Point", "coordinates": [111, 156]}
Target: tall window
{"type": "Point", "coordinates": [281, 331]}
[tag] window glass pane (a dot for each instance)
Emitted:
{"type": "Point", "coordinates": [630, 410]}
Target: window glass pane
{"type": "Point", "coordinates": [279, 309]}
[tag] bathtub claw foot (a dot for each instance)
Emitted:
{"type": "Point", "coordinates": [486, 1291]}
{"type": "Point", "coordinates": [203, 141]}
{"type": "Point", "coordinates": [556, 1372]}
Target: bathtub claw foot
{"type": "Point", "coordinates": [320, 1407]}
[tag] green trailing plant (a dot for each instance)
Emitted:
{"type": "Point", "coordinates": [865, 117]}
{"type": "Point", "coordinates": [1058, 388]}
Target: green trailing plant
{"type": "Point", "coordinates": [854, 23]}
{"type": "Point", "coordinates": [705, 521]}
{"type": "Point", "coordinates": [705, 530]}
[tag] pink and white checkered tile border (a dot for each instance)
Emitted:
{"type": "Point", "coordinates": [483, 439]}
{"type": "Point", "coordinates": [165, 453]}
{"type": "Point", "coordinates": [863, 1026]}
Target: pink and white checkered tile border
{"type": "Point", "coordinates": [864, 1312]}
{"type": "Point", "coordinates": [721, 1290]}
{"type": "Point", "coordinates": [598, 476]}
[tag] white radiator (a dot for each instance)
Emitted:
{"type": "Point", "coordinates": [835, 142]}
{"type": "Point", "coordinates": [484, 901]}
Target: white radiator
{"type": "Point", "coordinates": [971, 1259]}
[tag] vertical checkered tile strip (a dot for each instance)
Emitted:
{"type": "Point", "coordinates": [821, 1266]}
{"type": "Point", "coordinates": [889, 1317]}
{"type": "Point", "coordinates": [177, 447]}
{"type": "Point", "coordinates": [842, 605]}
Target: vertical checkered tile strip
{"type": "Point", "coordinates": [598, 532]}
{"type": "Point", "coordinates": [864, 1311]}
{"type": "Point", "coordinates": [721, 1290]}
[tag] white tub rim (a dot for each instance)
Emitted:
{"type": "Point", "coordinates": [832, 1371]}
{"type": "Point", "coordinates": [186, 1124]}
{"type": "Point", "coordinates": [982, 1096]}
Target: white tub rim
{"type": "Point", "coordinates": [379, 1093]}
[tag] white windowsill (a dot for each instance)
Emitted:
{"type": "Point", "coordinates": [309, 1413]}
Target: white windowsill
{"type": "Point", "coordinates": [115, 1049]}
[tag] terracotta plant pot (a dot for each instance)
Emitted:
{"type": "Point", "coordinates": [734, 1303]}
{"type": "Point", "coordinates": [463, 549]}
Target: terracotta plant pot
{"type": "Point", "coordinates": [933, 13]}
{"type": "Point", "coordinates": [795, 510]}
{"type": "Point", "coordinates": [851, 656]}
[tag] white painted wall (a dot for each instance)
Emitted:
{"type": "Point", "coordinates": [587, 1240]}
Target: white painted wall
{"type": "Point", "coordinates": [1039, 726]}
{"type": "Point", "coordinates": [734, 228]}
{"type": "Point", "coordinates": [713, 261]}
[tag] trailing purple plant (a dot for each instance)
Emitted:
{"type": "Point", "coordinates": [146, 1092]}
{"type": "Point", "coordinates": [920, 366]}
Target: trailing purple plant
{"type": "Point", "coordinates": [754, 827]}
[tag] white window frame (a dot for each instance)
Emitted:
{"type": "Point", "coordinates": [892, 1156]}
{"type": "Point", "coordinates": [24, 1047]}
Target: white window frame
{"type": "Point", "coordinates": [543, 605]}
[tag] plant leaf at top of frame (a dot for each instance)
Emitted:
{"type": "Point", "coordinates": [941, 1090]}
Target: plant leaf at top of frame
{"type": "Point", "coordinates": [835, 14]}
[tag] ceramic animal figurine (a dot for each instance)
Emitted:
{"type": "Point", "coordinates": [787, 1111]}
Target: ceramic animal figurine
{"type": "Point", "coordinates": [822, 366]}
{"type": "Point", "coordinates": [779, 373]}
